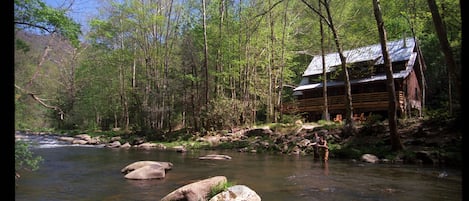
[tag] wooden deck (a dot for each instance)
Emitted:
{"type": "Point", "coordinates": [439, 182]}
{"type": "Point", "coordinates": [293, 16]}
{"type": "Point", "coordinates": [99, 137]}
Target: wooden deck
{"type": "Point", "coordinates": [365, 102]}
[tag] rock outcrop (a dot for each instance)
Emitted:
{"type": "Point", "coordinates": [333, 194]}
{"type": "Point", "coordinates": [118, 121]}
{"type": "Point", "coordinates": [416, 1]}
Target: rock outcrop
{"type": "Point", "coordinates": [195, 191]}
{"type": "Point", "coordinates": [215, 157]}
{"type": "Point", "coordinates": [237, 193]}
{"type": "Point", "coordinates": [146, 170]}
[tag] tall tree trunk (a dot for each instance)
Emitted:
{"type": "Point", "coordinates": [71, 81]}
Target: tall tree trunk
{"type": "Point", "coordinates": [454, 75]}
{"type": "Point", "coordinates": [167, 51]}
{"type": "Point", "coordinates": [349, 128]}
{"type": "Point", "coordinates": [280, 88]}
{"type": "Point", "coordinates": [271, 117]}
{"type": "Point", "coordinates": [122, 91]}
{"type": "Point", "coordinates": [219, 64]}
{"type": "Point", "coordinates": [349, 125]}
{"type": "Point", "coordinates": [395, 140]}
{"type": "Point", "coordinates": [325, 114]}
{"type": "Point", "coordinates": [205, 53]}
{"type": "Point", "coordinates": [421, 61]}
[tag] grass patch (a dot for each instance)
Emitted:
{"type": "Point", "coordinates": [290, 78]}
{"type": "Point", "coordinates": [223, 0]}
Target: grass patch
{"type": "Point", "coordinates": [220, 188]}
{"type": "Point", "coordinates": [234, 145]}
{"type": "Point", "coordinates": [187, 144]}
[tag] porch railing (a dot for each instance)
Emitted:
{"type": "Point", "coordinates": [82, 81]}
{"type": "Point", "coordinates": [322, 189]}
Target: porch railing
{"type": "Point", "coordinates": [363, 101]}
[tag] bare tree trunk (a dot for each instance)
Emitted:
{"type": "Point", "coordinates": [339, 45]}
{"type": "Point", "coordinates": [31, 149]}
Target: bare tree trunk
{"type": "Point", "coordinates": [122, 91]}
{"type": "Point", "coordinates": [41, 61]}
{"type": "Point", "coordinates": [167, 54]}
{"type": "Point", "coordinates": [395, 140]}
{"type": "Point", "coordinates": [325, 114]}
{"type": "Point", "coordinates": [219, 67]}
{"type": "Point", "coordinates": [270, 106]}
{"type": "Point", "coordinates": [41, 101]}
{"type": "Point", "coordinates": [421, 61]}
{"type": "Point", "coordinates": [280, 88]}
{"type": "Point", "coordinates": [205, 53]}
{"type": "Point", "coordinates": [349, 128]}
{"type": "Point", "coordinates": [349, 125]}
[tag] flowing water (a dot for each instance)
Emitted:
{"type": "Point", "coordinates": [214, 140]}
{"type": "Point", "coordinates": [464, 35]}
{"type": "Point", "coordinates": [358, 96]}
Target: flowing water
{"type": "Point", "coordinates": [77, 172]}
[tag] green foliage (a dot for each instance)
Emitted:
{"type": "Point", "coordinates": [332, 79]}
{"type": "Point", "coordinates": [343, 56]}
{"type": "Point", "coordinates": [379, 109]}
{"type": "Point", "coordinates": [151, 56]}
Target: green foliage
{"type": "Point", "coordinates": [27, 113]}
{"type": "Point", "coordinates": [373, 119]}
{"type": "Point", "coordinates": [380, 149]}
{"type": "Point", "coordinates": [234, 144]}
{"type": "Point", "coordinates": [329, 125]}
{"type": "Point", "coordinates": [179, 135]}
{"type": "Point", "coordinates": [220, 188]}
{"type": "Point", "coordinates": [21, 45]}
{"type": "Point", "coordinates": [145, 65]}
{"type": "Point", "coordinates": [290, 118]}
{"type": "Point", "coordinates": [346, 152]}
{"type": "Point", "coordinates": [35, 14]}
{"type": "Point", "coordinates": [438, 115]}
{"type": "Point", "coordinates": [25, 158]}
{"type": "Point", "coordinates": [189, 144]}
{"type": "Point", "coordinates": [224, 113]}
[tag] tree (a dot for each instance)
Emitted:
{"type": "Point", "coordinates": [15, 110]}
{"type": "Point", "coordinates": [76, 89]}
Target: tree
{"type": "Point", "coordinates": [25, 160]}
{"type": "Point", "coordinates": [392, 116]}
{"type": "Point", "coordinates": [454, 74]}
{"type": "Point", "coordinates": [349, 127]}
{"type": "Point", "coordinates": [324, 70]}
{"type": "Point", "coordinates": [204, 26]}
{"type": "Point", "coordinates": [36, 16]}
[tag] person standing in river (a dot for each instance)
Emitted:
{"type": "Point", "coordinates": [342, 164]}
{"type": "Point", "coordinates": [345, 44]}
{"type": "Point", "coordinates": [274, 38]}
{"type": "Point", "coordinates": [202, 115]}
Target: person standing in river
{"type": "Point", "coordinates": [316, 139]}
{"type": "Point", "coordinates": [323, 148]}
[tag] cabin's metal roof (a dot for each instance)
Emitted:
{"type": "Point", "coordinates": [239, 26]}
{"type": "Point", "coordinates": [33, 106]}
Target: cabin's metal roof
{"type": "Point", "coordinates": [398, 51]}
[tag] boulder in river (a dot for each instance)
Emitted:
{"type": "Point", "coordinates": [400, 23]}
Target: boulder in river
{"type": "Point", "coordinates": [237, 193]}
{"type": "Point", "coordinates": [215, 157]}
{"type": "Point", "coordinates": [146, 170]}
{"type": "Point", "coordinates": [195, 191]}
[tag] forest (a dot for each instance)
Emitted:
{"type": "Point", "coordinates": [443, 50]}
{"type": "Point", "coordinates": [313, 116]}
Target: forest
{"type": "Point", "coordinates": [156, 66]}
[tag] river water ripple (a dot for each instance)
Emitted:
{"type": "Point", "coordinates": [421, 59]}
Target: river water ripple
{"type": "Point", "coordinates": [77, 172]}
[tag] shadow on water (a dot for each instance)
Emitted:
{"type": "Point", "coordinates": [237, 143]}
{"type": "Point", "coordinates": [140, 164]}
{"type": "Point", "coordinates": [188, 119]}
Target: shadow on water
{"type": "Point", "coordinates": [93, 173]}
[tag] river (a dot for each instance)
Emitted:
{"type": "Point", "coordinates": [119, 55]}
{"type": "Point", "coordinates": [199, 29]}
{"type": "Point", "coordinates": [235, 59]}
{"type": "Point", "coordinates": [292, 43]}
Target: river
{"type": "Point", "coordinates": [77, 172]}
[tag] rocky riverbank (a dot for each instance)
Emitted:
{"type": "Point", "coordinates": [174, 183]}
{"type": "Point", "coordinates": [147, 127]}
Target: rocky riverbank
{"type": "Point", "coordinates": [425, 141]}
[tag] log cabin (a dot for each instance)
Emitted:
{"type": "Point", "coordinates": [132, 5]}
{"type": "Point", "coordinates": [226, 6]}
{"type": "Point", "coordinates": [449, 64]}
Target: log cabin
{"type": "Point", "coordinates": [368, 82]}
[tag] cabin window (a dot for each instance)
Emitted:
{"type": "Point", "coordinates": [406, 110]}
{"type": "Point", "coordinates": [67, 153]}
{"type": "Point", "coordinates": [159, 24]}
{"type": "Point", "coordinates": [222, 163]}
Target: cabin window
{"type": "Point", "coordinates": [314, 79]}
{"type": "Point", "coordinates": [361, 69]}
{"type": "Point", "coordinates": [398, 66]}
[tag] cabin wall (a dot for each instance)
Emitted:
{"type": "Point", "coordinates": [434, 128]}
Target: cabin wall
{"type": "Point", "coordinates": [367, 98]}
{"type": "Point", "coordinates": [413, 93]}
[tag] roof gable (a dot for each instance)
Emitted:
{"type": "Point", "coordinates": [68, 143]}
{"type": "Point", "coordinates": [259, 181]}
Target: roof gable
{"type": "Point", "coordinates": [397, 52]}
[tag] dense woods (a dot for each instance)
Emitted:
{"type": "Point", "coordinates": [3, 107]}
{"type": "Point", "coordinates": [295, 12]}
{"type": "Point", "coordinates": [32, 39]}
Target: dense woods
{"type": "Point", "coordinates": [158, 65]}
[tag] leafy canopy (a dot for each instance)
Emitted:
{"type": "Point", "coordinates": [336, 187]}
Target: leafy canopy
{"type": "Point", "coordinates": [36, 15]}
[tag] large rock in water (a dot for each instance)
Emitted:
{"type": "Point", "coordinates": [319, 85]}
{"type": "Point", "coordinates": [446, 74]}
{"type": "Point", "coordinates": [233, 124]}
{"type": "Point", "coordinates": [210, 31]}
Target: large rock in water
{"type": "Point", "coordinates": [369, 158]}
{"type": "Point", "coordinates": [146, 170]}
{"type": "Point", "coordinates": [139, 164]}
{"type": "Point", "coordinates": [237, 193]}
{"type": "Point", "coordinates": [215, 157]}
{"type": "Point", "coordinates": [195, 191]}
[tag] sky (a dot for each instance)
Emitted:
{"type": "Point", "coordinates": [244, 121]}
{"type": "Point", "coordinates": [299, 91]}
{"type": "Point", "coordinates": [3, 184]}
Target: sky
{"type": "Point", "coordinates": [81, 10]}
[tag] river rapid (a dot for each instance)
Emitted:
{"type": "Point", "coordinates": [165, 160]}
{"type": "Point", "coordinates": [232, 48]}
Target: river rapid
{"type": "Point", "coordinates": [85, 172]}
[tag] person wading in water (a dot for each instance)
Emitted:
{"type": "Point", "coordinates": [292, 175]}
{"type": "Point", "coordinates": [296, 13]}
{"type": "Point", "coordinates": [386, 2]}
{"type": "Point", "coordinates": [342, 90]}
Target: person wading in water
{"type": "Point", "coordinates": [316, 139]}
{"type": "Point", "coordinates": [323, 148]}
